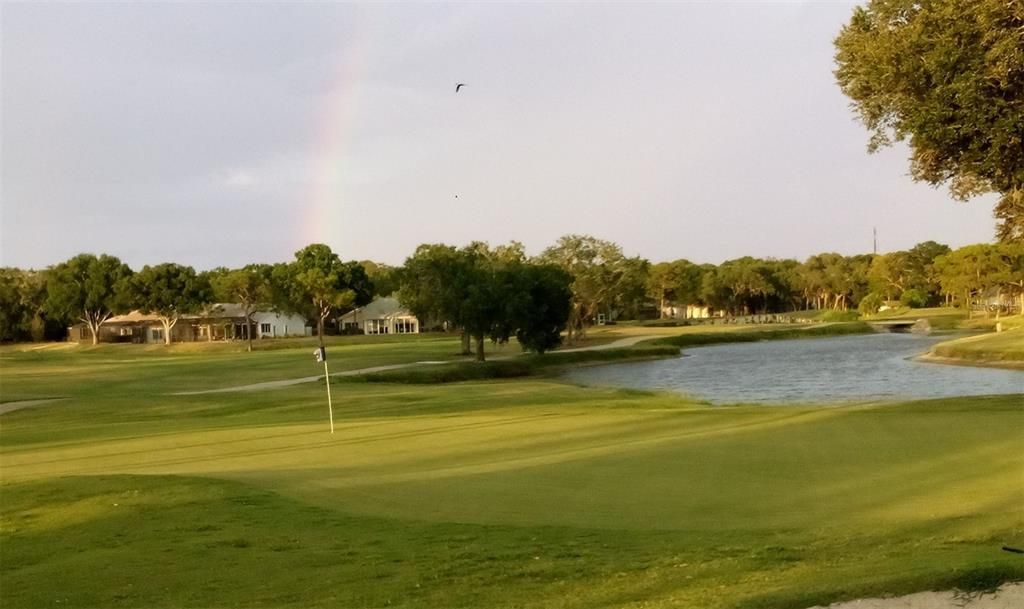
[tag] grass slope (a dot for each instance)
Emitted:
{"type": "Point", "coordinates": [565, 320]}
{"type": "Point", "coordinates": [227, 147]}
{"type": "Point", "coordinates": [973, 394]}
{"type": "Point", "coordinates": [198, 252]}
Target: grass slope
{"type": "Point", "coordinates": [497, 494]}
{"type": "Point", "coordinates": [1006, 347]}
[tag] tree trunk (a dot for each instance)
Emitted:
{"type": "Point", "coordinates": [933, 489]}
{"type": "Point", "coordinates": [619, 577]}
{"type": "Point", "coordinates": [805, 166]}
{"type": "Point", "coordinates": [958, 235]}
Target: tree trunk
{"type": "Point", "coordinates": [248, 331]}
{"type": "Point", "coordinates": [167, 330]}
{"type": "Point", "coordinates": [480, 348]}
{"type": "Point", "coordinates": [95, 332]}
{"type": "Point", "coordinates": [465, 343]}
{"type": "Point", "coordinates": [320, 331]}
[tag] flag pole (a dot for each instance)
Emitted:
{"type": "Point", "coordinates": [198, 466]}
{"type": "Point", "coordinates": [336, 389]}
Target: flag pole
{"type": "Point", "coordinates": [321, 356]}
{"type": "Point", "coordinates": [330, 408]}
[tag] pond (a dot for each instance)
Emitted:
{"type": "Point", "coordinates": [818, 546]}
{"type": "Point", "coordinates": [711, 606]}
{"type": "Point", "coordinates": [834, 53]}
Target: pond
{"type": "Point", "coordinates": [837, 369]}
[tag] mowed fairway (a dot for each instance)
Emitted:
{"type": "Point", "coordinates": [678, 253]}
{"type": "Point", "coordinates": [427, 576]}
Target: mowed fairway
{"type": "Point", "coordinates": [528, 493]}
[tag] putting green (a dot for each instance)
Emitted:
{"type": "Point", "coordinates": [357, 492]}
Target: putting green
{"type": "Point", "coordinates": [498, 494]}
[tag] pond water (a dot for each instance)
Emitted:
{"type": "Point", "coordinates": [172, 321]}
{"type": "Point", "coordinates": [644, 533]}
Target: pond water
{"type": "Point", "coordinates": [839, 369]}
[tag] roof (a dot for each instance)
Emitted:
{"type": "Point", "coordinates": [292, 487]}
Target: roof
{"type": "Point", "coordinates": [221, 310]}
{"type": "Point", "coordinates": [381, 308]}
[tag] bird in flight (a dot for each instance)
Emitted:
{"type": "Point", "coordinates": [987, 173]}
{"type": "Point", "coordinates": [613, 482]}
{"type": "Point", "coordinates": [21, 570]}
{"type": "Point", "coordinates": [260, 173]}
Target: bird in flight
{"type": "Point", "coordinates": [459, 85]}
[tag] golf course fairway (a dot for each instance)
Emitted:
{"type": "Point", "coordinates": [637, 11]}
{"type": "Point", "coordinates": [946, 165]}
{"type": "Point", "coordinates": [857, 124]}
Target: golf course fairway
{"type": "Point", "coordinates": [519, 493]}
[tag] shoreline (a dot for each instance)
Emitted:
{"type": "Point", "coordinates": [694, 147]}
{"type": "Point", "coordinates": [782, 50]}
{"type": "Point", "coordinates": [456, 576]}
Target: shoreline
{"type": "Point", "coordinates": [1007, 596]}
{"type": "Point", "coordinates": [930, 358]}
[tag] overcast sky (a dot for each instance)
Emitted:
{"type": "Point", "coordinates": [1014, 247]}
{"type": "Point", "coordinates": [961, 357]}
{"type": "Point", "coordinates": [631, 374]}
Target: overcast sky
{"type": "Point", "coordinates": [222, 134]}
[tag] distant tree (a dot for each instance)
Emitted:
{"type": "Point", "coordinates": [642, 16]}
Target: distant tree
{"type": "Point", "coordinates": [913, 298]}
{"type": "Point", "coordinates": [89, 288]}
{"type": "Point", "coordinates": [543, 298]}
{"type": "Point", "coordinates": [870, 304]}
{"type": "Point", "coordinates": [22, 305]}
{"type": "Point", "coordinates": [434, 283]}
{"type": "Point", "coordinates": [889, 274]}
{"type": "Point", "coordinates": [507, 297]}
{"type": "Point", "coordinates": [921, 269]}
{"type": "Point", "coordinates": [661, 285]}
{"type": "Point", "coordinates": [169, 291]}
{"type": "Point", "coordinates": [600, 272]}
{"type": "Point", "coordinates": [785, 279]}
{"type": "Point", "coordinates": [384, 277]}
{"type": "Point", "coordinates": [974, 270]}
{"type": "Point", "coordinates": [249, 286]}
{"type": "Point", "coordinates": [828, 281]}
{"type": "Point", "coordinates": [948, 76]}
{"type": "Point", "coordinates": [318, 284]}
{"type": "Point", "coordinates": [743, 285]}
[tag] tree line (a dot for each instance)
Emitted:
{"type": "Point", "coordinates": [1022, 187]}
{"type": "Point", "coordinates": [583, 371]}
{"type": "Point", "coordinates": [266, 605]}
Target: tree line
{"type": "Point", "coordinates": [499, 292]}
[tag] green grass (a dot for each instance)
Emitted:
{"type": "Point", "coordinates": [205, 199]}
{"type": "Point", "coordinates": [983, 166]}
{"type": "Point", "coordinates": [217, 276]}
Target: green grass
{"type": "Point", "coordinates": [513, 493]}
{"type": "Point", "coordinates": [940, 318]}
{"type": "Point", "coordinates": [1001, 348]}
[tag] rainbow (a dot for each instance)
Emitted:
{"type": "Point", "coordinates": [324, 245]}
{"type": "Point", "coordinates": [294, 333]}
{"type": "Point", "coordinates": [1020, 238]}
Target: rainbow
{"type": "Point", "coordinates": [325, 201]}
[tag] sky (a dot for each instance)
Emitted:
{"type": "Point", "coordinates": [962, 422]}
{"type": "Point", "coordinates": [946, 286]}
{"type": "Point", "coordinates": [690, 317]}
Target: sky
{"type": "Point", "coordinates": [219, 134]}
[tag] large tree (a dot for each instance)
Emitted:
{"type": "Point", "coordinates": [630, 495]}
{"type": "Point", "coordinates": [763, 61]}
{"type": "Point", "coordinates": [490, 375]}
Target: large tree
{"type": "Point", "coordinates": [88, 288]}
{"type": "Point", "coordinates": [248, 286]}
{"type": "Point", "coordinates": [542, 302]}
{"type": "Point", "coordinates": [23, 306]}
{"type": "Point", "coordinates": [948, 77]}
{"type": "Point", "coordinates": [318, 284]}
{"type": "Point", "coordinates": [602, 277]}
{"type": "Point", "coordinates": [434, 283]}
{"type": "Point", "coordinates": [169, 291]}
{"type": "Point", "coordinates": [384, 277]}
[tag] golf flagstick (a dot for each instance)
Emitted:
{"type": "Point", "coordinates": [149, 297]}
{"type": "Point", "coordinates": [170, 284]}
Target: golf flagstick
{"type": "Point", "coordinates": [321, 356]}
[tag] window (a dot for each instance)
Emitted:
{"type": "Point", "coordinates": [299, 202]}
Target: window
{"type": "Point", "coordinates": [376, 326]}
{"type": "Point", "coordinates": [265, 329]}
{"type": "Point", "coordinates": [156, 334]}
{"type": "Point", "coordinates": [405, 325]}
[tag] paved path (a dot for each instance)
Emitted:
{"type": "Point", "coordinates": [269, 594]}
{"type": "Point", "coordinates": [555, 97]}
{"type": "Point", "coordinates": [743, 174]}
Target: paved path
{"type": "Point", "coordinates": [622, 342]}
{"type": "Point", "coordinates": [629, 341]}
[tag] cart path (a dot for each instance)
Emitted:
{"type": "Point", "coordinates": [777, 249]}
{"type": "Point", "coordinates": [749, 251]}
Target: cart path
{"type": "Point", "coordinates": [629, 341]}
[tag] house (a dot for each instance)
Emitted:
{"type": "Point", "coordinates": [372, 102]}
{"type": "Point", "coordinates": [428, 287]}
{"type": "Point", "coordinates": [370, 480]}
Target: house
{"type": "Point", "coordinates": [382, 316]}
{"type": "Point", "coordinates": [223, 321]}
{"type": "Point", "coordinates": [690, 311]}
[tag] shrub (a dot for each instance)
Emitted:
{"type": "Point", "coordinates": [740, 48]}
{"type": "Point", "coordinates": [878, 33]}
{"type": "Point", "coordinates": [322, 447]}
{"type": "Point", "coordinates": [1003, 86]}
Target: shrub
{"type": "Point", "coordinates": [840, 316]}
{"type": "Point", "coordinates": [870, 304]}
{"type": "Point", "coordinates": [913, 298]}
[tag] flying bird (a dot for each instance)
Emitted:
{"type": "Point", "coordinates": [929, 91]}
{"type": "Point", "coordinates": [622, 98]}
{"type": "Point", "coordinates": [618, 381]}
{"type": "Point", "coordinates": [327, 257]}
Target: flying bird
{"type": "Point", "coordinates": [459, 85]}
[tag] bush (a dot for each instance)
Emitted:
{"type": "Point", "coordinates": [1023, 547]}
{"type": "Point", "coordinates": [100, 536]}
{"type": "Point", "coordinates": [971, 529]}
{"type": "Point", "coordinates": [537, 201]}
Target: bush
{"type": "Point", "coordinates": [840, 316]}
{"type": "Point", "coordinates": [915, 299]}
{"type": "Point", "coordinates": [870, 304]}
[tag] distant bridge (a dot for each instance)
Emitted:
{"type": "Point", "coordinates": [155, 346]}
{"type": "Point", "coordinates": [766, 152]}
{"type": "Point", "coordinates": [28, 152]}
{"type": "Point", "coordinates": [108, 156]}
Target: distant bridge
{"type": "Point", "coordinates": [917, 326]}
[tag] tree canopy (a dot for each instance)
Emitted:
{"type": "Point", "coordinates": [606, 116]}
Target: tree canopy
{"type": "Point", "coordinates": [318, 284]}
{"type": "Point", "coordinates": [249, 286]}
{"type": "Point", "coordinates": [948, 77]}
{"type": "Point", "coordinates": [169, 291]}
{"type": "Point", "coordinates": [89, 288]}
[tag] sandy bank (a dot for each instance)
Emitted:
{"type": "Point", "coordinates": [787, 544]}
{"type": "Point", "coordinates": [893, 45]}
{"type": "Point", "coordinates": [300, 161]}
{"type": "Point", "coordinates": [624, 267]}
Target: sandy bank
{"type": "Point", "coordinates": [1009, 596]}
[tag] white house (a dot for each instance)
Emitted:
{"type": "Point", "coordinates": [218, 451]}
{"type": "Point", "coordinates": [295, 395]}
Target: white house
{"type": "Point", "coordinates": [270, 324]}
{"type": "Point", "coordinates": [690, 311]}
{"type": "Point", "coordinates": [382, 316]}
